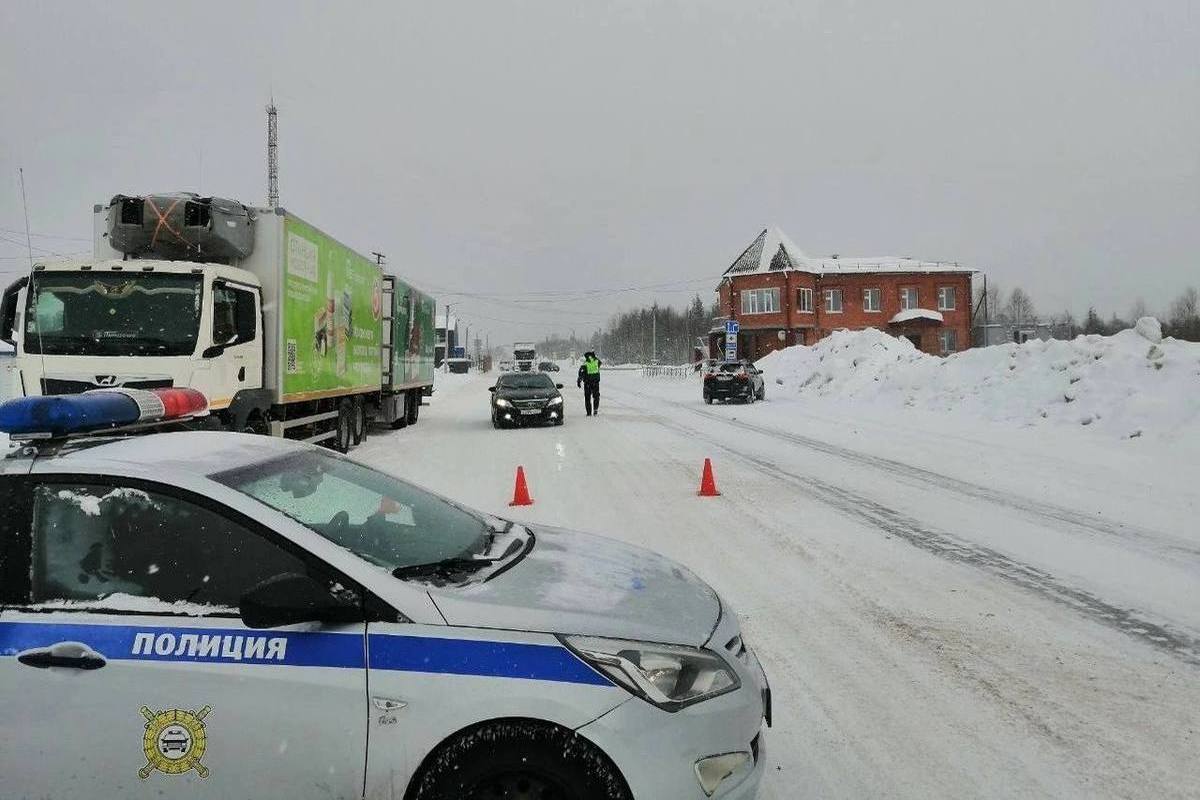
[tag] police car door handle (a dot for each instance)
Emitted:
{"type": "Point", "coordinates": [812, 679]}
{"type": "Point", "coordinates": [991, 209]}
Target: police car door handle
{"type": "Point", "coordinates": [71, 655]}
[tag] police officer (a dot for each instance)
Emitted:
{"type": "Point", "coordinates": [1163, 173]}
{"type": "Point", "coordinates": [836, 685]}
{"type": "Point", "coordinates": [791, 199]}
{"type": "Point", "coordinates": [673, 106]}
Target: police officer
{"type": "Point", "coordinates": [589, 379]}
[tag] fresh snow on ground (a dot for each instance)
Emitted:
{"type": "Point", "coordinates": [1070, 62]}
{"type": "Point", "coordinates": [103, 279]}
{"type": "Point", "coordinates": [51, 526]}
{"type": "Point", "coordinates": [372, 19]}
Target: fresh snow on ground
{"type": "Point", "coordinates": [947, 603]}
{"type": "Point", "coordinates": [1132, 384]}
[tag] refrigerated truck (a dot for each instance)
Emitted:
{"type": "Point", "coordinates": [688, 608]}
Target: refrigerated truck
{"type": "Point", "coordinates": [294, 335]}
{"type": "Point", "coordinates": [525, 354]}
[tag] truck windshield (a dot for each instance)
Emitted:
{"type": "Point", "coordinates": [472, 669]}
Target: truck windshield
{"type": "Point", "coordinates": [112, 314]}
{"type": "Point", "coordinates": [377, 517]}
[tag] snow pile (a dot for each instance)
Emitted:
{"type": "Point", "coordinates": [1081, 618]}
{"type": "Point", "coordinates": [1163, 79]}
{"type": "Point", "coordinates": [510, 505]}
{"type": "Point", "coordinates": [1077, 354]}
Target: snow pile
{"type": "Point", "coordinates": [1131, 383]}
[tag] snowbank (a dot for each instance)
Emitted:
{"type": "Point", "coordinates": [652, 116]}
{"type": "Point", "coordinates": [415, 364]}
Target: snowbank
{"type": "Point", "coordinates": [1127, 385]}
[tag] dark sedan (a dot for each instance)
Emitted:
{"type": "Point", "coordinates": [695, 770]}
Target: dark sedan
{"type": "Point", "coordinates": [734, 380]}
{"type": "Point", "coordinates": [520, 398]}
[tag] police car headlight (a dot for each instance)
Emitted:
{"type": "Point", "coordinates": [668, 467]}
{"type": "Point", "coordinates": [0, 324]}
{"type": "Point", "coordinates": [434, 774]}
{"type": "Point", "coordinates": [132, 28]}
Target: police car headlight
{"type": "Point", "coordinates": [555, 401]}
{"type": "Point", "coordinates": [669, 676]}
{"type": "Point", "coordinates": [502, 403]}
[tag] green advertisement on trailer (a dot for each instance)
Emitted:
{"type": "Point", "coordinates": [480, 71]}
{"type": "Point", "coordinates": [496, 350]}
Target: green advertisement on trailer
{"type": "Point", "coordinates": [332, 306]}
{"type": "Point", "coordinates": [413, 333]}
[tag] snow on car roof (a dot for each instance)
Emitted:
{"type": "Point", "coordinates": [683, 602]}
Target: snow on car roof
{"type": "Point", "coordinates": [195, 452]}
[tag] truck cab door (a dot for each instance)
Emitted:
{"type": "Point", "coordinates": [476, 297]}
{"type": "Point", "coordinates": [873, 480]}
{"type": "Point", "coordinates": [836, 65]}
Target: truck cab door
{"type": "Point", "coordinates": [237, 342]}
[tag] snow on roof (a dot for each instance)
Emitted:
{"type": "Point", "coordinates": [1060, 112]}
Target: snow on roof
{"type": "Point", "coordinates": [917, 313]}
{"type": "Point", "coordinates": [773, 251]}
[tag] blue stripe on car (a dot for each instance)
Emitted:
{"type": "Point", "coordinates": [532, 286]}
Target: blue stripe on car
{"type": "Point", "coordinates": [402, 653]}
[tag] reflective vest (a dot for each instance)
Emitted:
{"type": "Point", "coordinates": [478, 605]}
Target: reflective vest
{"type": "Point", "coordinates": [592, 366]}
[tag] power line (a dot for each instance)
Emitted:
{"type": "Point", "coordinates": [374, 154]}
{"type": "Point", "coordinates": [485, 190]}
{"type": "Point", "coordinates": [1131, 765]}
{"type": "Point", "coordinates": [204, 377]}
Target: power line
{"type": "Point", "coordinates": [46, 235]}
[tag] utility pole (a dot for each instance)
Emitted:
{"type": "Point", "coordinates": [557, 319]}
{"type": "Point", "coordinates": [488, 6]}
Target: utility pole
{"type": "Point", "coordinates": [380, 258]}
{"type": "Point", "coordinates": [654, 335]}
{"type": "Point", "coordinates": [272, 155]}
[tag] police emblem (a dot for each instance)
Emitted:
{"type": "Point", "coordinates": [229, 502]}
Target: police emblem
{"type": "Point", "coordinates": [174, 741]}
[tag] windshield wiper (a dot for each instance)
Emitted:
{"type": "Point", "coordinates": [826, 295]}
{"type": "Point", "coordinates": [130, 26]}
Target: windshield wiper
{"type": "Point", "coordinates": [445, 567]}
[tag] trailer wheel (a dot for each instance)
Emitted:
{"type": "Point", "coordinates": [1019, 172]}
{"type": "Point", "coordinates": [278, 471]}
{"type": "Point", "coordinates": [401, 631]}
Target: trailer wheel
{"type": "Point", "coordinates": [358, 431]}
{"type": "Point", "coordinates": [413, 409]}
{"type": "Point", "coordinates": [344, 436]}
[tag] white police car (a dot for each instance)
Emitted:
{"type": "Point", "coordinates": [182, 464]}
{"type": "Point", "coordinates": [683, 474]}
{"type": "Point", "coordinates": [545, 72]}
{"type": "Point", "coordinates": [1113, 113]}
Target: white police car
{"type": "Point", "coordinates": [221, 615]}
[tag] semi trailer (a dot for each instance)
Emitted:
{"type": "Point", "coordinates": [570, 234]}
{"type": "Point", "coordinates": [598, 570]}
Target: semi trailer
{"type": "Point", "coordinates": [286, 330]}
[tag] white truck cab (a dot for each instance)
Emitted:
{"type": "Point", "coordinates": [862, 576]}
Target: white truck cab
{"type": "Point", "coordinates": [136, 324]}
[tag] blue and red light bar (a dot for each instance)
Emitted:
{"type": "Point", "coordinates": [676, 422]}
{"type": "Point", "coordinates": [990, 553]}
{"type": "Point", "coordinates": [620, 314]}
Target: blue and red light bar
{"type": "Point", "coordinates": [56, 416]}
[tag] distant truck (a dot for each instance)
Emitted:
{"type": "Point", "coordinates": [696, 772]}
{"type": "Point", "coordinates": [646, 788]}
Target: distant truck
{"type": "Point", "coordinates": [525, 354]}
{"type": "Point", "coordinates": [286, 330]}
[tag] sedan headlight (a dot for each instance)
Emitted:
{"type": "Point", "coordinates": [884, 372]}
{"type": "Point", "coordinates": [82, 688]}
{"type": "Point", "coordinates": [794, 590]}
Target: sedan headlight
{"type": "Point", "coordinates": [669, 676]}
{"type": "Point", "coordinates": [555, 401]}
{"type": "Point", "coordinates": [502, 403]}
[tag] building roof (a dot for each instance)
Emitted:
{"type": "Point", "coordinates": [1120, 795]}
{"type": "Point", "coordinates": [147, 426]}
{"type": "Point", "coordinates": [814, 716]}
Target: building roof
{"type": "Point", "coordinates": [440, 322]}
{"type": "Point", "coordinates": [773, 251]}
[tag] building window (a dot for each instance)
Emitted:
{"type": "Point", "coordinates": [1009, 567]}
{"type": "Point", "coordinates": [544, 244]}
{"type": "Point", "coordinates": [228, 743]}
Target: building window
{"type": "Point", "coordinates": [833, 301]}
{"type": "Point", "coordinates": [804, 300]}
{"type": "Point", "coordinates": [948, 339]}
{"type": "Point", "coordinates": [909, 298]}
{"type": "Point", "coordinates": [945, 298]}
{"type": "Point", "coordinates": [872, 299]}
{"type": "Point", "coordinates": [760, 301]}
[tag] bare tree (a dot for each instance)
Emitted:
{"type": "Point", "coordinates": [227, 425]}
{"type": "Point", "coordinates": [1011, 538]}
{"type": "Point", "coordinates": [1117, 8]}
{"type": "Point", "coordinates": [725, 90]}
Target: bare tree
{"type": "Point", "coordinates": [1183, 320]}
{"type": "Point", "coordinates": [1019, 308]}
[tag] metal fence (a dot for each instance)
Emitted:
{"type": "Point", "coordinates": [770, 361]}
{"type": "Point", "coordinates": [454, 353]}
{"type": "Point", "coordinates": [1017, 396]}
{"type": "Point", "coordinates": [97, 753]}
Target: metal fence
{"type": "Point", "coordinates": [681, 372]}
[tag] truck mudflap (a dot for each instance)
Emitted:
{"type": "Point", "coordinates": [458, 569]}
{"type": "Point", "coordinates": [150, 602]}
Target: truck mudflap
{"type": "Point", "coordinates": [181, 226]}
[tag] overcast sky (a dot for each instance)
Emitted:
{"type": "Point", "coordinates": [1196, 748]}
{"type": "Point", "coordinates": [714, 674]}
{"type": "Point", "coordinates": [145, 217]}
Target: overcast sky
{"type": "Point", "coordinates": [504, 148]}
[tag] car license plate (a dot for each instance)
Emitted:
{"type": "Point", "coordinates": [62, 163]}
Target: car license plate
{"type": "Point", "coordinates": [724, 377]}
{"type": "Point", "coordinates": [531, 411]}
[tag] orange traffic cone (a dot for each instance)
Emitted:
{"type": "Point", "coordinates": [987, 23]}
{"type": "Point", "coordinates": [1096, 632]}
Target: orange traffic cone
{"type": "Point", "coordinates": [708, 484]}
{"type": "Point", "coordinates": [521, 491]}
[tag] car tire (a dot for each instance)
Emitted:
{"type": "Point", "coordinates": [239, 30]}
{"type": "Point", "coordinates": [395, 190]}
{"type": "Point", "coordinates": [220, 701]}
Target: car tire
{"type": "Point", "coordinates": [521, 758]}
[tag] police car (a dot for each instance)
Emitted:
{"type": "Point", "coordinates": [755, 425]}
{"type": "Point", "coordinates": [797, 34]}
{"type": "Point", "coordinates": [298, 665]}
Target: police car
{"type": "Point", "coordinates": [206, 614]}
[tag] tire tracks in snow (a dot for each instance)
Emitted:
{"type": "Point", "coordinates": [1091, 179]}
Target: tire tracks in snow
{"type": "Point", "coordinates": [945, 545]}
{"type": "Point", "coordinates": [901, 472]}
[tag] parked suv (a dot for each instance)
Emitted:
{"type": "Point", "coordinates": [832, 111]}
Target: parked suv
{"type": "Point", "coordinates": [734, 380]}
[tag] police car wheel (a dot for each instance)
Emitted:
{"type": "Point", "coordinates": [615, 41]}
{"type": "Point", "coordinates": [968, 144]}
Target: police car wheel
{"type": "Point", "coordinates": [516, 760]}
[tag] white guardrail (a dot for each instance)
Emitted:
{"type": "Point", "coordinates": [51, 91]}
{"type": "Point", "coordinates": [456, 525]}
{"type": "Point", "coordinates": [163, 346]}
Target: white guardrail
{"type": "Point", "coordinates": [679, 373]}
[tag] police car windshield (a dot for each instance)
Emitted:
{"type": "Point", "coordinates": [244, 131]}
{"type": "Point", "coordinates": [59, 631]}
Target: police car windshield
{"type": "Point", "coordinates": [379, 518]}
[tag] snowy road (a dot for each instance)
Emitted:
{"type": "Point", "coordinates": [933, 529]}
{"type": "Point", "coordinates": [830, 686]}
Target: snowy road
{"type": "Point", "coordinates": [933, 623]}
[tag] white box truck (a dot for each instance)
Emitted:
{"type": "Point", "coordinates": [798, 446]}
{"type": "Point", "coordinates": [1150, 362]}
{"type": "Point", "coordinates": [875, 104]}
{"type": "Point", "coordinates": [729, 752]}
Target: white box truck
{"type": "Point", "coordinates": [283, 328]}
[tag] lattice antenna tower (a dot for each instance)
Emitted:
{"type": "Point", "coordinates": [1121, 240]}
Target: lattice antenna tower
{"type": "Point", "coordinates": [272, 155]}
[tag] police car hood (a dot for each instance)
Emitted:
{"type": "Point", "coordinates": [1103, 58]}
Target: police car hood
{"type": "Point", "coordinates": [579, 583]}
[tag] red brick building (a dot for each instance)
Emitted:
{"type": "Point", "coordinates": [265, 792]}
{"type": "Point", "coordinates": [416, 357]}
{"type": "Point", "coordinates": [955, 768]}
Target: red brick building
{"type": "Point", "coordinates": [781, 297]}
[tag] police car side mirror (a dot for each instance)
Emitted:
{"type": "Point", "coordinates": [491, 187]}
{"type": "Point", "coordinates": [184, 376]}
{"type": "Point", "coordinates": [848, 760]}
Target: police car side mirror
{"type": "Point", "coordinates": [214, 351]}
{"type": "Point", "coordinates": [491, 388]}
{"type": "Point", "coordinates": [558, 386]}
{"type": "Point", "coordinates": [292, 598]}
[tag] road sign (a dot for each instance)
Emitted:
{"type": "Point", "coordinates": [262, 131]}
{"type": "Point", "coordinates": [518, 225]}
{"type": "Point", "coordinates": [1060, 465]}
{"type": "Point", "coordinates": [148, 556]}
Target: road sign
{"type": "Point", "coordinates": [732, 326]}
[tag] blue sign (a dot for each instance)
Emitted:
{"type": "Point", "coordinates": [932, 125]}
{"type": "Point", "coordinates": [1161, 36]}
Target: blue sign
{"type": "Point", "coordinates": [458, 352]}
{"type": "Point", "coordinates": [732, 326]}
